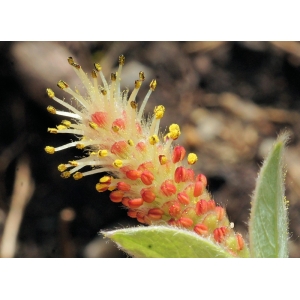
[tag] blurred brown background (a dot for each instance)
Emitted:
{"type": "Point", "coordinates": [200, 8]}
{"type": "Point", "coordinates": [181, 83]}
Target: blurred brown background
{"type": "Point", "coordinates": [231, 99]}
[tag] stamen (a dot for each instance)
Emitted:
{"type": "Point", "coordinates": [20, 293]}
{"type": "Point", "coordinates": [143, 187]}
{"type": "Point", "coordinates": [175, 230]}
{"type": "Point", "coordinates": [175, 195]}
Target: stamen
{"type": "Point", "coordinates": [158, 114]}
{"type": "Point", "coordinates": [152, 88]}
{"type": "Point", "coordinates": [121, 64]}
{"type": "Point", "coordinates": [85, 80]}
{"type": "Point", "coordinates": [137, 86]}
{"type": "Point", "coordinates": [67, 105]}
{"type": "Point", "coordinates": [99, 69]}
{"type": "Point", "coordinates": [51, 110]}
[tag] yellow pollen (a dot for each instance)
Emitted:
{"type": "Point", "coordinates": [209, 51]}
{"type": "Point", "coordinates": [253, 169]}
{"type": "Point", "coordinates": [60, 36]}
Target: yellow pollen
{"type": "Point", "coordinates": [77, 175]}
{"type": "Point", "coordinates": [93, 125]}
{"type": "Point", "coordinates": [105, 179]}
{"type": "Point", "coordinates": [118, 163]}
{"type": "Point", "coordinates": [142, 76]}
{"type": "Point", "coordinates": [153, 84]}
{"type": "Point", "coordinates": [159, 111]}
{"type": "Point", "coordinates": [115, 128]}
{"type": "Point", "coordinates": [122, 60]}
{"type": "Point", "coordinates": [62, 167]}
{"type": "Point", "coordinates": [102, 153]}
{"type": "Point", "coordinates": [153, 139]}
{"type": "Point", "coordinates": [111, 188]}
{"type": "Point", "coordinates": [52, 130]}
{"type": "Point", "coordinates": [137, 84]}
{"type": "Point", "coordinates": [65, 174]}
{"type": "Point", "coordinates": [62, 84]}
{"type": "Point", "coordinates": [51, 110]}
{"type": "Point", "coordinates": [97, 67]}
{"type": "Point", "coordinates": [130, 142]}
{"type": "Point", "coordinates": [192, 158]}
{"type": "Point", "coordinates": [49, 149]}
{"type": "Point", "coordinates": [93, 153]}
{"type": "Point", "coordinates": [80, 146]}
{"type": "Point", "coordinates": [67, 123]}
{"type": "Point", "coordinates": [73, 163]}
{"type": "Point", "coordinates": [50, 93]}
{"type": "Point", "coordinates": [61, 127]}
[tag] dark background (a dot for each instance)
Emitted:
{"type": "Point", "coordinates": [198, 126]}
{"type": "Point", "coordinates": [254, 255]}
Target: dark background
{"type": "Point", "coordinates": [231, 99]}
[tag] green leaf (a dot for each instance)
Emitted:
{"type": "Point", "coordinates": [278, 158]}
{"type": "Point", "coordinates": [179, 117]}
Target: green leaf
{"type": "Point", "coordinates": [268, 227]}
{"type": "Point", "coordinates": [164, 241]}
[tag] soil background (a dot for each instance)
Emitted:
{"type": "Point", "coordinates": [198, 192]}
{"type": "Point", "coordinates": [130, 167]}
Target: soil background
{"type": "Point", "coordinates": [231, 100]}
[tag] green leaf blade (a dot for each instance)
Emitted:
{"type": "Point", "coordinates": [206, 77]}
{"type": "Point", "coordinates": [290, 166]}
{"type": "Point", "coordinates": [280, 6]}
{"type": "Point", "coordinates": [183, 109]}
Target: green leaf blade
{"type": "Point", "coordinates": [164, 241]}
{"type": "Point", "coordinates": [268, 226]}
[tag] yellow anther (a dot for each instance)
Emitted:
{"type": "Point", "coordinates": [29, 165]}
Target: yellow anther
{"type": "Point", "coordinates": [115, 128]}
{"type": "Point", "coordinates": [93, 153]}
{"type": "Point", "coordinates": [50, 93]}
{"type": "Point", "coordinates": [66, 123]}
{"type": "Point", "coordinates": [97, 67]}
{"type": "Point", "coordinates": [94, 73]}
{"type": "Point", "coordinates": [49, 149]}
{"type": "Point", "coordinates": [137, 84]}
{"type": "Point", "coordinates": [52, 130]}
{"type": "Point", "coordinates": [105, 179]}
{"type": "Point", "coordinates": [71, 60]}
{"type": "Point", "coordinates": [174, 127]}
{"type": "Point", "coordinates": [174, 131]}
{"type": "Point", "coordinates": [118, 163]}
{"type": "Point", "coordinates": [102, 153]}
{"type": "Point", "coordinates": [100, 187]}
{"type": "Point", "coordinates": [174, 135]}
{"type": "Point", "coordinates": [153, 139]}
{"type": "Point", "coordinates": [111, 188]}
{"type": "Point", "coordinates": [65, 174]}
{"type": "Point", "coordinates": [142, 76]}
{"type": "Point", "coordinates": [121, 60]}
{"type": "Point", "coordinates": [153, 84]}
{"type": "Point", "coordinates": [93, 125]}
{"type": "Point", "coordinates": [159, 111]}
{"type": "Point", "coordinates": [130, 142]}
{"type": "Point", "coordinates": [192, 158]}
{"type": "Point", "coordinates": [80, 146]}
{"type": "Point", "coordinates": [73, 163]}
{"type": "Point", "coordinates": [113, 76]}
{"type": "Point", "coordinates": [133, 104]}
{"type": "Point", "coordinates": [62, 84]}
{"type": "Point", "coordinates": [77, 175]}
{"type": "Point", "coordinates": [61, 127]}
{"type": "Point", "coordinates": [51, 110]}
{"type": "Point", "coordinates": [62, 167]}
{"type": "Point", "coordinates": [103, 92]}
{"type": "Point", "coordinates": [163, 159]}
